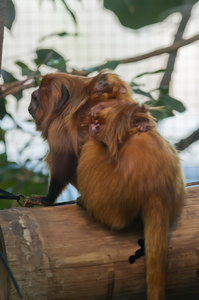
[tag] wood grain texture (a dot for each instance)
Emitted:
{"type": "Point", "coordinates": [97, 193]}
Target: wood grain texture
{"type": "Point", "coordinates": [62, 253]}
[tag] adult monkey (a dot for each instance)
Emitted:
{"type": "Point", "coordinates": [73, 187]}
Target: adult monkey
{"type": "Point", "coordinates": [107, 146]}
{"type": "Point", "coordinates": [59, 108]}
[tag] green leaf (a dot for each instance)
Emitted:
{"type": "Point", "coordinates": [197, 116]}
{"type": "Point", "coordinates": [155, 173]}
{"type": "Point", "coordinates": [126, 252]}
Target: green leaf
{"type": "Point", "coordinates": [3, 111]}
{"type": "Point", "coordinates": [109, 65]}
{"type": "Point", "coordinates": [50, 58]}
{"type": "Point", "coordinates": [10, 14]}
{"type": "Point", "coordinates": [60, 34]}
{"type": "Point", "coordinates": [25, 70]}
{"type": "Point", "coordinates": [151, 73]}
{"type": "Point", "coordinates": [3, 160]}
{"type": "Point", "coordinates": [173, 103]}
{"type": "Point", "coordinates": [2, 135]}
{"type": "Point", "coordinates": [37, 82]}
{"type": "Point", "coordinates": [18, 95]}
{"type": "Point", "coordinates": [7, 76]}
{"type": "Point", "coordinates": [162, 113]}
{"type": "Point", "coordinates": [70, 11]}
{"type": "Point", "coordinates": [140, 92]}
{"type": "Point", "coordinates": [11, 166]}
{"type": "Point", "coordinates": [138, 13]}
{"type": "Point", "coordinates": [167, 104]}
{"type": "Point", "coordinates": [134, 85]}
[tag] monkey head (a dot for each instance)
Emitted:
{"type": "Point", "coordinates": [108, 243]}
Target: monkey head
{"type": "Point", "coordinates": [51, 98]}
{"type": "Point", "coordinates": [110, 86]}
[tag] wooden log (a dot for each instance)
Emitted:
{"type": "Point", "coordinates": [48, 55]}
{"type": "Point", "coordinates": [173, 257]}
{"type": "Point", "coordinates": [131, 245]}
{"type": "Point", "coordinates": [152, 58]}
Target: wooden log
{"type": "Point", "coordinates": [62, 253]}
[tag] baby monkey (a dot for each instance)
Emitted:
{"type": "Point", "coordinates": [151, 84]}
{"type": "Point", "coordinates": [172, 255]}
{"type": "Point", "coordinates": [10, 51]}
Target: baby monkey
{"type": "Point", "coordinates": [126, 170]}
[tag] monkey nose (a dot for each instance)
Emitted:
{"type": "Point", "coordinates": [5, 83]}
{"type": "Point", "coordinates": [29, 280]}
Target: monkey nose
{"type": "Point", "coordinates": [30, 110]}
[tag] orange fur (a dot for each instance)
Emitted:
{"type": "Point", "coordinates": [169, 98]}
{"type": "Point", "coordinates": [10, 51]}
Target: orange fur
{"type": "Point", "coordinates": [124, 173]}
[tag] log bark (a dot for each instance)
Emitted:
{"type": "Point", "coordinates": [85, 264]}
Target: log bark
{"type": "Point", "coordinates": [62, 253]}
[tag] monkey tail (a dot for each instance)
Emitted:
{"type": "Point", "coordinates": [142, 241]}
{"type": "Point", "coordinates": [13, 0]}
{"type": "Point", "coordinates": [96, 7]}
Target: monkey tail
{"type": "Point", "coordinates": [156, 226]}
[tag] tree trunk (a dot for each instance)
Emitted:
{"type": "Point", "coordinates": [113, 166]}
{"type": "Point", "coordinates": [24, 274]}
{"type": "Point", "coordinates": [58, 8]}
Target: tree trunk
{"type": "Point", "coordinates": [62, 253]}
{"type": "Point", "coordinates": [2, 20]}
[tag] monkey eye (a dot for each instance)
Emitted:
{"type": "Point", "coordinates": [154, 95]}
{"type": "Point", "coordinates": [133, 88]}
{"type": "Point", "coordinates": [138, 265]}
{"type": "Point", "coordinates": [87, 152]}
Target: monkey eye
{"type": "Point", "coordinates": [35, 99]}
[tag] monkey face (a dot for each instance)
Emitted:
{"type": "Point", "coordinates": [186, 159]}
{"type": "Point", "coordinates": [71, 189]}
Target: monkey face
{"type": "Point", "coordinates": [47, 102]}
{"type": "Point", "coordinates": [109, 83]}
{"type": "Point", "coordinates": [34, 103]}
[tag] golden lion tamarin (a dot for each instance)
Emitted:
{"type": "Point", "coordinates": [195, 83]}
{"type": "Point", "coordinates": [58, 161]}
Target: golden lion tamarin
{"type": "Point", "coordinates": [59, 108]}
{"type": "Point", "coordinates": [107, 146]}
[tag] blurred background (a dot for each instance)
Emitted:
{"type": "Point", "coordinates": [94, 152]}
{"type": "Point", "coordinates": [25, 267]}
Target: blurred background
{"type": "Point", "coordinates": [153, 45]}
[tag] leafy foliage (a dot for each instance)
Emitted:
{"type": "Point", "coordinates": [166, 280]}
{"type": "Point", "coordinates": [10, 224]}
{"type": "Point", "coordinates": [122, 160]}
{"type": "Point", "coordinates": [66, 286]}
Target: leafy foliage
{"type": "Point", "coordinates": [112, 65]}
{"type": "Point", "coordinates": [25, 70]}
{"type": "Point", "coordinates": [50, 58]}
{"type": "Point", "coordinates": [139, 13]}
{"type": "Point", "coordinates": [168, 104]}
{"type": "Point", "coordinates": [3, 111]}
{"type": "Point", "coordinates": [10, 14]}
{"type": "Point", "coordinates": [59, 34]}
{"type": "Point", "coordinates": [18, 179]}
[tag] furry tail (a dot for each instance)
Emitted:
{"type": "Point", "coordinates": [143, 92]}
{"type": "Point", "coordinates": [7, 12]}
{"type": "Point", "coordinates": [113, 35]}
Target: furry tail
{"type": "Point", "coordinates": [156, 224]}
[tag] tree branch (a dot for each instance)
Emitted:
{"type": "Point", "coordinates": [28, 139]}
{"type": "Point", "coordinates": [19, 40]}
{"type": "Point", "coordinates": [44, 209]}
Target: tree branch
{"type": "Point", "coordinates": [19, 85]}
{"type": "Point", "coordinates": [185, 143]}
{"type": "Point", "coordinates": [15, 87]}
{"type": "Point", "coordinates": [169, 49]}
{"type": "Point", "coordinates": [186, 14]}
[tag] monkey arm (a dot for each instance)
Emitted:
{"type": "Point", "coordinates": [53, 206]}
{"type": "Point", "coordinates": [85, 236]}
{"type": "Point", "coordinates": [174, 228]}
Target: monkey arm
{"type": "Point", "coordinates": [62, 172]}
{"type": "Point", "coordinates": [94, 110]}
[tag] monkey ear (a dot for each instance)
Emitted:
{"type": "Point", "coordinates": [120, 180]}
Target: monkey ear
{"type": "Point", "coordinates": [64, 97]}
{"type": "Point", "coordinates": [123, 89]}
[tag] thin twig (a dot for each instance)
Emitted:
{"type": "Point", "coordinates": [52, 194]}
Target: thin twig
{"type": "Point", "coordinates": [186, 14]}
{"type": "Point", "coordinates": [185, 143]}
{"type": "Point", "coordinates": [18, 87]}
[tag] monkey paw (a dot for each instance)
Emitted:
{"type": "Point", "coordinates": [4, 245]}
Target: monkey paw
{"type": "Point", "coordinates": [33, 200]}
{"type": "Point", "coordinates": [93, 129]}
